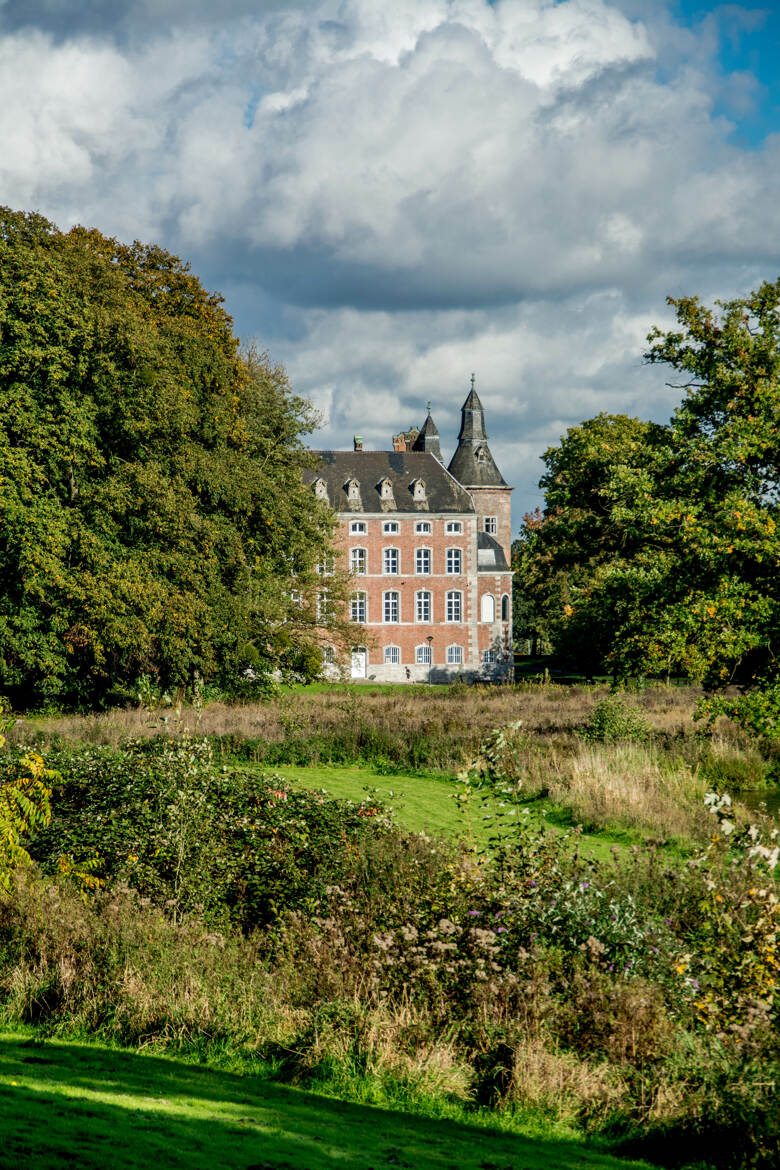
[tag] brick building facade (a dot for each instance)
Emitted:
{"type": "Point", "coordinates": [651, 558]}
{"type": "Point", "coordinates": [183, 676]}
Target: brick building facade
{"type": "Point", "coordinates": [429, 548]}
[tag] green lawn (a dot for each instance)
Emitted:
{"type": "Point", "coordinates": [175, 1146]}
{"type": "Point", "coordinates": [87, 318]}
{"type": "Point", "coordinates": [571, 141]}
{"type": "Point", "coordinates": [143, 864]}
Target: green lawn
{"type": "Point", "coordinates": [427, 803]}
{"type": "Point", "coordinates": [65, 1104]}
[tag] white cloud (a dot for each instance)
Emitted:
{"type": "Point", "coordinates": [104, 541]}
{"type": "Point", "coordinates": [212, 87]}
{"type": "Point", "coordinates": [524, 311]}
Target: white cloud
{"type": "Point", "coordinates": [406, 192]}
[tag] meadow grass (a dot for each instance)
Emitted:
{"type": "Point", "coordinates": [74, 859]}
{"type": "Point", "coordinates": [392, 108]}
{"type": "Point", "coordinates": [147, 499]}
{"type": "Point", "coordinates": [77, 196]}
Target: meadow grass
{"type": "Point", "coordinates": [76, 1103]}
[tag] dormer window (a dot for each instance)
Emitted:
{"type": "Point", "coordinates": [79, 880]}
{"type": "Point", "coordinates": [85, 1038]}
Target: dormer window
{"type": "Point", "coordinates": [418, 489]}
{"type": "Point", "coordinates": [481, 454]}
{"type": "Point", "coordinates": [352, 488]}
{"type": "Point", "coordinates": [385, 487]}
{"type": "Point", "coordinates": [320, 489]}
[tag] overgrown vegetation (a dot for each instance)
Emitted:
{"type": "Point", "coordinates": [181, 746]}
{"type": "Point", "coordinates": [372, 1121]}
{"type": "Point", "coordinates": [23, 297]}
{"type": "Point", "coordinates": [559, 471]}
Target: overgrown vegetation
{"type": "Point", "coordinates": [153, 516]}
{"type": "Point", "coordinates": [184, 900]}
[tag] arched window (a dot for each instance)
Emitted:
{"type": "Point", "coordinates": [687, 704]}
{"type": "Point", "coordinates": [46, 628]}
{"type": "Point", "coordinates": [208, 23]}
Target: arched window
{"type": "Point", "coordinates": [422, 561]}
{"type": "Point", "coordinates": [422, 655]}
{"type": "Point", "coordinates": [505, 608]}
{"type": "Point", "coordinates": [391, 559]}
{"type": "Point", "coordinates": [422, 606]}
{"type": "Point", "coordinates": [392, 655]}
{"type": "Point", "coordinates": [454, 560]}
{"type": "Point", "coordinates": [391, 606]}
{"type": "Point", "coordinates": [454, 655]}
{"type": "Point", "coordinates": [488, 608]}
{"type": "Point", "coordinates": [358, 561]}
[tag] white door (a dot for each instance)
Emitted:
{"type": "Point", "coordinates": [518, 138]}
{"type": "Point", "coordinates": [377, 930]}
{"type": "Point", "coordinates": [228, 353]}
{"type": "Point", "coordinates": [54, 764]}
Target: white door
{"type": "Point", "coordinates": [359, 662]}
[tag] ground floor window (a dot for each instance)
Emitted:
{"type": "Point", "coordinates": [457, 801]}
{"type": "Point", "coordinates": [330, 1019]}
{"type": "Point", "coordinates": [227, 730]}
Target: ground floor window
{"type": "Point", "coordinates": [392, 655]}
{"type": "Point", "coordinates": [488, 657]}
{"type": "Point", "coordinates": [454, 655]}
{"type": "Point", "coordinates": [422, 655]}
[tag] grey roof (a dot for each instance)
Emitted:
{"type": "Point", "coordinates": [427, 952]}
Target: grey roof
{"type": "Point", "coordinates": [428, 438]}
{"type": "Point", "coordinates": [490, 555]}
{"type": "Point", "coordinates": [473, 464]}
{"type": "Point", "coordinates": [400, 470]}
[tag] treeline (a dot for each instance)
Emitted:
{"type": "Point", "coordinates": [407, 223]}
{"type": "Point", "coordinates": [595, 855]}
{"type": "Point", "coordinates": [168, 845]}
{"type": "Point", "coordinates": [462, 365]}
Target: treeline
{"type": "Point", "coordinates": [153, 519]}
{"type": "Point", "coordinates": [657, 550]}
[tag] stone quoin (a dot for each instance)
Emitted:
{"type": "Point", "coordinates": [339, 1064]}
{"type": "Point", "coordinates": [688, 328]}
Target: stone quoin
{"type": "Point", "coordinates": [429, 550]}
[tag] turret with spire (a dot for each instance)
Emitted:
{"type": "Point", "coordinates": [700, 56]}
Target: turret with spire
{"type": "Point", "coordinates": [428, 438]}
{"type": "Point", "coordinates": [473, 464]}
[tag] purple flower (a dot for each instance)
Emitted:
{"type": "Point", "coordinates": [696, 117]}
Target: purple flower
{"type": "Point", "coordinates": [473, 913]}
{"type": "Point", "coordinates": [584, 885]}
{"type": "Point", "coordinates": [695, 984]}
{"type": "Point", "coordinates": [535, 935]}
{"type": "Point", "coordinates": [501, 930]}
{"type": "Point", "coordinates": [532, 883]}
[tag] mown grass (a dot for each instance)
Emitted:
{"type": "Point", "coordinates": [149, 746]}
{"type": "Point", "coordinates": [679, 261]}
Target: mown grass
{"type": "Point", "coordinates": [65, 1103]}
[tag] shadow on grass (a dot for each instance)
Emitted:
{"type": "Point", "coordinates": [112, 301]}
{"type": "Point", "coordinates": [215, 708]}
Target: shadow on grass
{"type": "Point", "coordinates": [65, 1104]}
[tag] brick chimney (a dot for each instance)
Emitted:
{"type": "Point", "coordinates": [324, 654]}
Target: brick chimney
{"type": "Point", "coordinates": [399, 442]}
{"type": "Point", "coordinates": [358, 442]}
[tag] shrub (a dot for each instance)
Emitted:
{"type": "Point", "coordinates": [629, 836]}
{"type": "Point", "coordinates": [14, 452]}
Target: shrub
{"type": "Point", "coordinates": [614, 720]}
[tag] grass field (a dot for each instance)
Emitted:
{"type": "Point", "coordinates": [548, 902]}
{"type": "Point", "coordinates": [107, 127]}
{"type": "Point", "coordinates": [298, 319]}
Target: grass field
{"type": "Point", "coordinates": [428, 804]}
{"type": "Point", "coordinates": [70, 1104]}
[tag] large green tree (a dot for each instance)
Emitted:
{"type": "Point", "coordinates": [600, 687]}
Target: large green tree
{"type": "Point", "coordinates": [659, 551]}
{"type": "Point", "coordinates": [153, 518]}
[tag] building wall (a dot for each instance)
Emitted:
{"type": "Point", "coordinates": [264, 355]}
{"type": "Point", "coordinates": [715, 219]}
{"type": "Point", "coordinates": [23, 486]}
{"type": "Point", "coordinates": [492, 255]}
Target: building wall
{"type": "Point", "coordinates": [471, 634]}
{"type": "Point", "coordinates": [495, 502]}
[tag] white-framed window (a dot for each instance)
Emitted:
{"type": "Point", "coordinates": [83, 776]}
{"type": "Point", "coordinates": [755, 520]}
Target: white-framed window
{"type": "Point", "coordinates": [358, 526]}
{"type": "Point", "coordinates": [488, 657]}
{"type": "Point", "coordinates": [454, 655]}
{"type": "Point", "coordinates": [454, 607]}
{"type": "Point", "coordinates": [422, 606]}
{"type": "Point", "coordinates": [386, 489]}
{"type": "Point", "coordinates": [353, 491]}
{"type": "Point", "coordinates": [422, 655]}
{"type": "Point", "coordinates": [328, 655]}
{"type": "Point", "coordinates": [392, 655]}
{"type": "Point", "coordinates": [423, 526]}
{"type": "Point", "coordinates": [391, 526]}
{"type": "Point", "coordinates": [454, 560]}
{"type": "Point", "coordinates": [491, 525]}
{"type": "Point", "coordinates": [453, 526]}
{"type": "Point", "coordinates": [320, 489]}
{"type": "Point", "coordinates": [422, 561]}
{"type": "Point", "coordinates": [391, 605]}
{"type": "Point", "coordinates": [505, 608]}
{"type": "Point", "coordinates": [325, 566]}
{"type": "Point", "coordinates": [358, 561]}
{"type": "Point", "coordinates": [357, 607]}
{"type": "Point", "coordinates": [488, 608]}
{"type": "Point", "coordinates": [323, 605]}
{"type": "Point", "coordinates": [391, 561]}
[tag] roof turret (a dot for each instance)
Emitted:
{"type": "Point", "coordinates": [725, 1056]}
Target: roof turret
{"type": "Point", "coordinates": [473, 464]}
{"type": "Point", "coordinates": [428, 438]}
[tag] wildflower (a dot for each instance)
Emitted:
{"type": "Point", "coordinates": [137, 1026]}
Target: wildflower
{"type": "Point", "coordinates": [532, 884]}
{"type": "Point", "coordinates": [473, 913]}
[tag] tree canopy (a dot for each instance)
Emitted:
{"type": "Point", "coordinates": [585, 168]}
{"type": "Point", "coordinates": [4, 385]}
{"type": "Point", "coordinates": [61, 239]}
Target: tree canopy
{"type": "Point", "coordinates": [153, 518]}
{"type": "Point", "coordinates": [658, 551]}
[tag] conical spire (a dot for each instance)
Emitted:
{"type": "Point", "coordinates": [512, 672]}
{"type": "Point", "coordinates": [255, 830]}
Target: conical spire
{"type": "Point", "coordinates": [428, 438]}
{"type": "Point", "coordinates": [472, 464]}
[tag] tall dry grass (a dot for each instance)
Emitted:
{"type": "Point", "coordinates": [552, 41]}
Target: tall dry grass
{"type": "Point", "coordinates": [465, 714]}
{"type": "Point", "coordinates": [631, 785]}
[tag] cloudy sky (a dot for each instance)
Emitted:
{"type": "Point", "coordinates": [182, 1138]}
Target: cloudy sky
{"type": "Point", "coordinates": [393, 193]}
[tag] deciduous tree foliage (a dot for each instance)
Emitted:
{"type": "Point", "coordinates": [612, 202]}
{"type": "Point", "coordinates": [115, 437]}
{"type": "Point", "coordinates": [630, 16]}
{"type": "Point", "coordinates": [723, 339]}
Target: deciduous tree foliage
{"type": "Point", "coordinates": [152, 513]}
{"type": "Point", "coordinates": [659, 551]}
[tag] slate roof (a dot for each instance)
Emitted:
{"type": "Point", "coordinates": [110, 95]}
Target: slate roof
{"type": "Point", "coordinates": [490, 554]}
{"type": "Point", "coordinates": [401, 469]}
{"type": "Point", "coordinates": [428, 438]}
{"type": "Point", "coordinates": [473, 464]}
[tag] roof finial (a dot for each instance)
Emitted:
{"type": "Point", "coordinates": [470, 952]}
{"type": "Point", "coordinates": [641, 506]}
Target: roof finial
{"type": "Point", "coordinates": [429, 406]}
{"type": "Point", "coordinates": [472, 381]}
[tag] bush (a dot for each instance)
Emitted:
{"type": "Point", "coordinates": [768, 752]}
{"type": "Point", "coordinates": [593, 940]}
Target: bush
{"type": "Point", "coordinates": [614, 720]}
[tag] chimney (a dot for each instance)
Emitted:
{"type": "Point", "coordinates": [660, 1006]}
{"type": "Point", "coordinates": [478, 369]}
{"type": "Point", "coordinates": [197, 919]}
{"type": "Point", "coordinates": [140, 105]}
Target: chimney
{"type": "Point", "coordinates": [358, 441]}
{"type": "Point", "coordinates": [399, 442]}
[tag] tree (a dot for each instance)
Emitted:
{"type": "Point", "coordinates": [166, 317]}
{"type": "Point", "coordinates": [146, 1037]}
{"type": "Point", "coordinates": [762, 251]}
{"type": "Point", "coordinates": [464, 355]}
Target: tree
{"type": "Point", "coordinates": [659, 550]}
{"type": "Point", "coordinates": [153, 518]}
